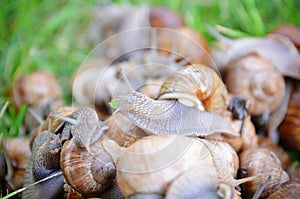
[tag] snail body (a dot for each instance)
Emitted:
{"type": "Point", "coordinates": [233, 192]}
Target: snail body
{"type": "Point", "coordinates": [45, 162]}
{"type": "Point", "coordinates": [198, 86]}
{"type": "Point", "coordinates": [170, 117]}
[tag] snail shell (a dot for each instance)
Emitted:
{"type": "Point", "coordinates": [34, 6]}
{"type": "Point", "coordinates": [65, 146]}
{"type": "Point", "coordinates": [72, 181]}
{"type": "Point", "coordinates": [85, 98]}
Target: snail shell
{"type": "Point", "coordinates": [162, 157]}
{"type": "Point", "coordinates": [167, 157]}
{"type": "Point", "coordinates": [263, 162]}
{"type": "Point", "coordinates": [88, 173]}
{"type": "Point", "coordinates": [164, 18]}
{"type": "Point", "coordinates": [280, 153]}
{"type": "Point", "coordinates": [198, 86]}
{"type": "Point", "coordinates": [40, 91]}
{"type": "Point", "coordinates": [289, 130]}
{"type": "Point", "coordinates": [290, 191]}
{"type": "Point", "coordinates": [16, 160]}
{"type": "Point", "coordinates": [254, 78]}
{"type": "Point", "coordinates": [122, 130]}
{"type": "Point", "coordinates": [248, 137]}
{"type": "Point", "coordinates": [184, 42]}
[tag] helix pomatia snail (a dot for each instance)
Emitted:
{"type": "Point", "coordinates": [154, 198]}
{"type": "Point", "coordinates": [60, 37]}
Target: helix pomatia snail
{"type": "Point", "coordinates": [169, 116]}
{"type": "Point", "coordinates": [261, 161]}
{"type": "Point", "coordinates": [256, 79]}
{"type": "Point", "coordinates": [16, 159]}
{"type": "Point", "coordinates": [39, 91]}
{"type": "Point", "coordinates": [72, 152]}
{"type": "Point", "coordinates": [168, 157]}
{"type": "Point", "coordinates": [198, 86]}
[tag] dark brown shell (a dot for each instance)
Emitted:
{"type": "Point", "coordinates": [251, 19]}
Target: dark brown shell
{"type": "Point", "coordinates": [254, 78]}
{"type": "Point", "coordinates": [289, 130]}
{"type": "Point", "coordinates": [88, 173]}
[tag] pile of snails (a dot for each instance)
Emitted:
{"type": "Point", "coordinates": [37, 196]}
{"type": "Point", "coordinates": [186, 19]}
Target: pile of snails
{"type": "Point", "coordinates": [157, 113]}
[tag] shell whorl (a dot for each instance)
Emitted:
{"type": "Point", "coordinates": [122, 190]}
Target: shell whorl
{"type": "Point", "coordinates": [88, 173]}
{"type": "Point", "coordinates": [197, 86]}
{"type": "Point", "coordinates": [254, 78]}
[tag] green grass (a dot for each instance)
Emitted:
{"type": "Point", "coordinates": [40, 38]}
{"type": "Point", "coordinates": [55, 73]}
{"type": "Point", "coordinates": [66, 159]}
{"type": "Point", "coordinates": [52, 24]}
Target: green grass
{"type": "Point", "coordinates": [46, 35]}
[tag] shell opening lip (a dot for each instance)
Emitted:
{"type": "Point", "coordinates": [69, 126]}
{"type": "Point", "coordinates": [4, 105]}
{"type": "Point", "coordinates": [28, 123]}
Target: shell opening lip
{"type": "Point", "coordinates": [185, 99]}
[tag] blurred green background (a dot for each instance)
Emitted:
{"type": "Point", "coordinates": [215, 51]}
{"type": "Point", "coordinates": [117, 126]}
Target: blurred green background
{"type": "Point", "coordinates": [48, 35]}
{"type": "Point", "coordinates": [38, 34]}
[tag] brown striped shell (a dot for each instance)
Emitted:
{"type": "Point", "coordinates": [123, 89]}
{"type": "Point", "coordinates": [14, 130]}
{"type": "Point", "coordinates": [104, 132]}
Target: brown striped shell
{"type": "Point", "coordinates": [198, 86]}
{"type": "Point", "coordinates": [289, 130]}
{"type": "Point", "coordinates": [262, 162]}
{"type": "Point", "coordinates": [290, 190]}
{"type": "Point", "coordinates": [88, 172]}
{"type": "Point", "coordinates": [256, 79]}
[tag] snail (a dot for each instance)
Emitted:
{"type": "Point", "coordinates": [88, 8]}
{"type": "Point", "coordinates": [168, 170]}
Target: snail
{"type": "Point", "coordinates": [16, 160]}
{"type": "Point", "coordinates": [266, 143]}
{"type": "Point", "coordinates": [289, 129]}
{"type": "Point", "coordinates": [167, 158]}
{"type": "Point", "coordinates": [40, 92]}
{"type": "Point", "coordinates": [186, 43]}
{"type": "Point", "coordinates": [290, 190]}
{"type": "Point", "coordinates": [44, 163]}
{"type": "Point", "coordinates": [290, 31]}
{"type": "Point", "coordinates": [261, 161]}
{"type": "Point", "coordinates": [89, 173]}
{"type": "Point", "coordinates": [198, 86]}
{"type": "Point", "coordinates": [276, 49]}
{"type": "Point", "coordinates": [246, 77]}
{"type": "Point", "coordinates": [70, 152]}
{"type": "Point", "coordinates": [164, 18]}
{"type": "Point", "coordinates": [168, 116]}
{"type": "Point", "coordinates": [85, 165]}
